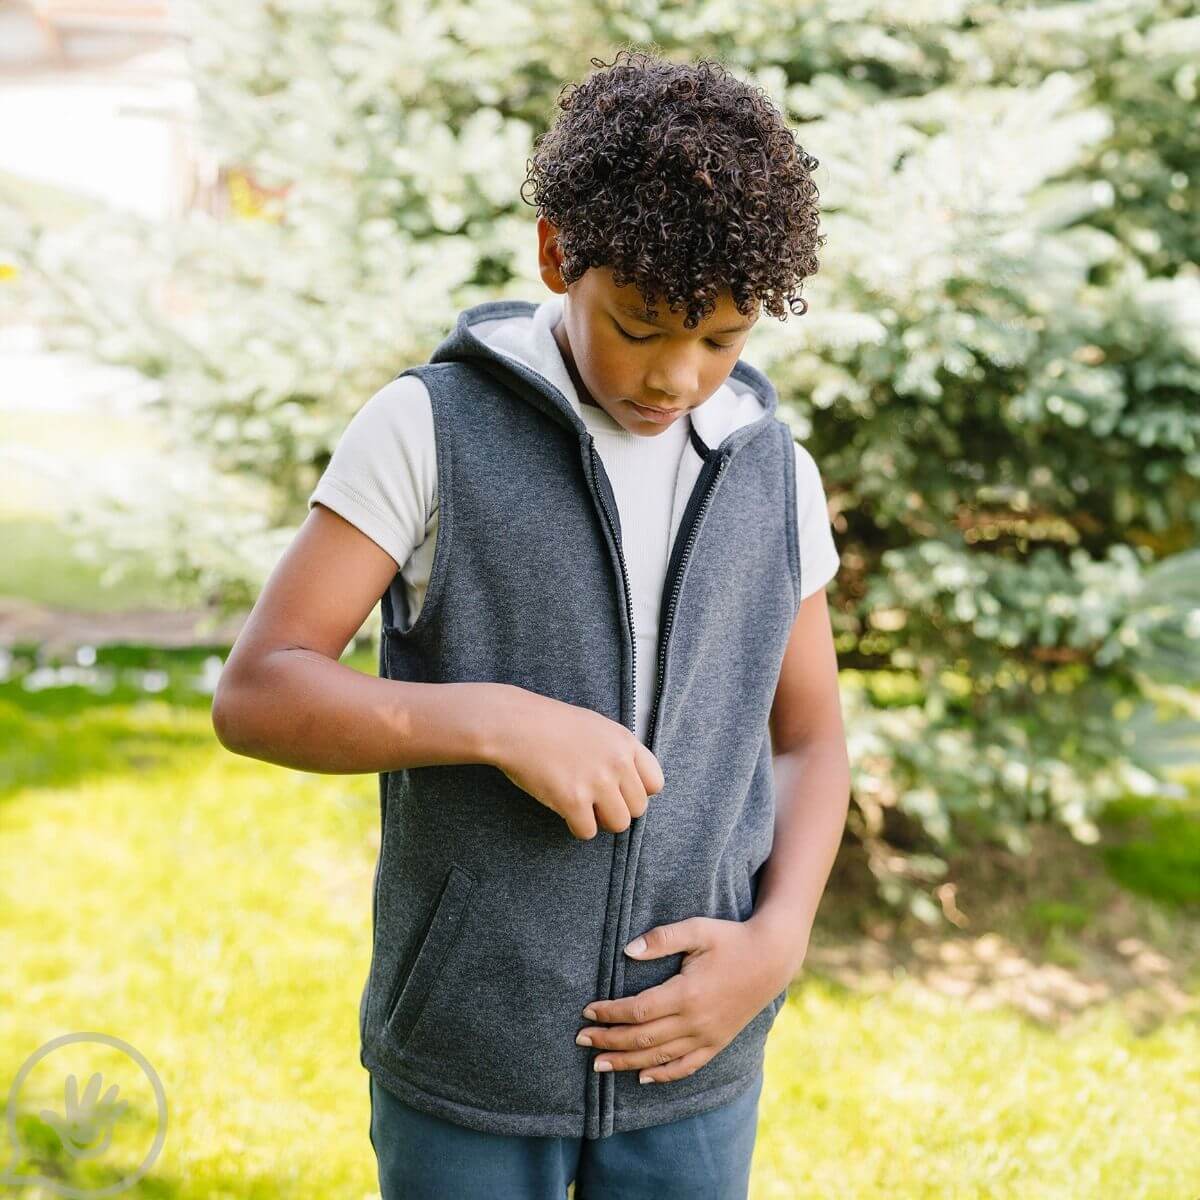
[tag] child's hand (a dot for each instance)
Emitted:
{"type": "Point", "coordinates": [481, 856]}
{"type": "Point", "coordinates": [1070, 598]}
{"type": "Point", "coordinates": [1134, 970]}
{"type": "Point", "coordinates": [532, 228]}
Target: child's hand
{"type": "Point", "coordinates": [674, 1028]}
{"type": "Point", "coordinates": [577, 762]}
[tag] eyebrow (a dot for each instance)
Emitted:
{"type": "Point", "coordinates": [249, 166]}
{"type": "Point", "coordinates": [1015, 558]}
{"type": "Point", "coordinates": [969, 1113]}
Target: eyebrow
{"type": "Point", "coordinates": [642, 315]}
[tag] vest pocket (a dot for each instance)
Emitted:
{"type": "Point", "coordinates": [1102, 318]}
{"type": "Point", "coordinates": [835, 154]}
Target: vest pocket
{"type": "Point", "coordinates": [441, 934]}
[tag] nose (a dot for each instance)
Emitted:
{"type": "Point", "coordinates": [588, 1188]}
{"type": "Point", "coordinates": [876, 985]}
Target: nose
{"type": "Point", "coordinates": [666, 386]}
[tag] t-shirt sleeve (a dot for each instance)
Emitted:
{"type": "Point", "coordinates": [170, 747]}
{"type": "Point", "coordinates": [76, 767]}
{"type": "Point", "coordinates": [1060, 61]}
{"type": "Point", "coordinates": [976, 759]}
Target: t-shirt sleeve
{"type": "Point", "coordinates": [819, 558]}
{"type": "Point", "coordinates": [382, 475]}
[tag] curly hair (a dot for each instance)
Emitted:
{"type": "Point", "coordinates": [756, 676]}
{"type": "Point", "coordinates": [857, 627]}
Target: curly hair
{"type": "Point", "coordinates": [685, 181]}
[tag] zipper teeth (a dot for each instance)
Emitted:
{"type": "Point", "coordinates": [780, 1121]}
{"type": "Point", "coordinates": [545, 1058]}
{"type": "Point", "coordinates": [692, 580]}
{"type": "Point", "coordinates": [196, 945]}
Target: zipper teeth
{"type": "Point", "coordinates": [628, 598]}
{"type": "Point", "coordinates": [670, 614]}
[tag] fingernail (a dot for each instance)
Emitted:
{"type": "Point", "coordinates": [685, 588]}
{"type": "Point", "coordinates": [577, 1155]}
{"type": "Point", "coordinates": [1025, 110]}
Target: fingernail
{"type": "Point", "coordinates": [645, 1079]}
{"type": "Point", "coordinates": [589, 1014]}
{"type": "Point", "coordinates": [636, 946]}
{"type": "Point", "coordinates": [583, 1040]}
{"type": "Point", "coordinates": [602, 1065]}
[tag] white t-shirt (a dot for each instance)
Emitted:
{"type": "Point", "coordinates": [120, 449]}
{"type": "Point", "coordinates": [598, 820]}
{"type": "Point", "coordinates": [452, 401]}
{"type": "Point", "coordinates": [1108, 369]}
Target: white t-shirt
{"type": "Point", "coordinates": [382, 478]}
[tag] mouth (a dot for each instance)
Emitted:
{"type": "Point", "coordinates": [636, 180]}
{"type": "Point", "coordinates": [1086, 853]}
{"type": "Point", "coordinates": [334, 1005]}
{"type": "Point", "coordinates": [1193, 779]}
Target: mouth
{"type": "Point", "coordinates": [655, 414]}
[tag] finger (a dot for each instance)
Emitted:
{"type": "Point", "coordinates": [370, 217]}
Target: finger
{"type": "Point", "coordinates": [613, 812]}
{"type": "Point", "coordinates": [656, 1057]}
{"type": "Point", "coordinates": [635, 1037]}
{"type": "Point", "coordinates": [634, 793]}
{"type": "Point", "coordinates": [676, 937]}
{"type": "Point", "coordinates": [679, 1068]}
{"type": "Point", "coordinates": [583, 824]}
{"type": "Point", "coordinates": [649, 769]}
{"type": "Point", "coordinates": [662, 1000]}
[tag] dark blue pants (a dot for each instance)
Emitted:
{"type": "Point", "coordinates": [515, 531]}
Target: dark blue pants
{"type": "Point", "coordinates": [705, 1157]}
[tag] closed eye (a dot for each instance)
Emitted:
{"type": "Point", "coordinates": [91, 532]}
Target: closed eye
{"type": "Point", "coordinates": [629, 337]}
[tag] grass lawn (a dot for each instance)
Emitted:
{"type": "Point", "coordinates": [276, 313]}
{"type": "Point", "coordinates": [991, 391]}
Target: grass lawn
{"type": "Point", "coordinates": [214, 912]}
{"type": "Point", "coordinates": [33, 544]}
{"type": "Point", "coordinates": [47, 459]}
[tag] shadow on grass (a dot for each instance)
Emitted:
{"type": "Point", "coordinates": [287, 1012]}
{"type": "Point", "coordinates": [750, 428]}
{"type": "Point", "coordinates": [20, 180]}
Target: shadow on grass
{"type": "Point", "coordinates": [42, 1158]}
{"type": "Point", "coordinates": [139, 708]}
{"type": "Point", "coordinates": [1155, 849]}
{"type": "Point", "coordinates": [55, 750]}
{"type": "Point", "coordinates": [1054, 933]}
{"type": "Point", "coordinates": [41, 1162]}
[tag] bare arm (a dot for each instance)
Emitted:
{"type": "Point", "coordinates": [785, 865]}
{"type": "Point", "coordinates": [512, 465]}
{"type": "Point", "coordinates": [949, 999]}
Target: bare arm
{"type": "Point", "coordinates": [283, 696]}
{"type": "Point", "coordinates": [813, 770]}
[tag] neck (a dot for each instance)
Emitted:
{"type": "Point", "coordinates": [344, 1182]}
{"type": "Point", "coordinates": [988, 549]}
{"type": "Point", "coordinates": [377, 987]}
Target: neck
{"type": "Point", "coordinates": [560, 336]}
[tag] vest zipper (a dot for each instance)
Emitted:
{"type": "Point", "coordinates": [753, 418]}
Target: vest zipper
{"type": "Point", "coordinates": [627, 590]}
{"type": "Point", "coordinates": [605, 1084]}
{"type": "Point", "coordinates": [676, 587]}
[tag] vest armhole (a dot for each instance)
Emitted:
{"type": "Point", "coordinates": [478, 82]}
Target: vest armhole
{"type": "Point", "coordinates": [793, 522]}
{"type": "Point", "coordinates": [429, 374]}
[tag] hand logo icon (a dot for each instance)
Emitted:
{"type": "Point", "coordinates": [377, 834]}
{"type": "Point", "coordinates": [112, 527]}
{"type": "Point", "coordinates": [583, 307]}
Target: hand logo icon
{"type": "Point", "coordinates": [88, 1129]}
{"type": "Point", "coordinates": [87, 1120]}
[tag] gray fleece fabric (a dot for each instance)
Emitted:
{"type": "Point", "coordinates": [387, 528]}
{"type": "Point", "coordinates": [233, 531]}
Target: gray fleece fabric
{"type": "Point", "coordinates": [493, 925]}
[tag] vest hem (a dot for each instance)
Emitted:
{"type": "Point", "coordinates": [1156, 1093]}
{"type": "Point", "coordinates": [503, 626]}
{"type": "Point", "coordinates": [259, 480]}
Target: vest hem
{"type": "Point", "coordinates": [485, 1120]}
{"type": "Point", "coordinates": [524, 1124]}
{"type": "Point", "coordinates": [692, 1105]}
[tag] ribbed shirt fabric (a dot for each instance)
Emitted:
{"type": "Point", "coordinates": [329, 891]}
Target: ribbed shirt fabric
{"type": "Point", "coordinates": [643, 472]}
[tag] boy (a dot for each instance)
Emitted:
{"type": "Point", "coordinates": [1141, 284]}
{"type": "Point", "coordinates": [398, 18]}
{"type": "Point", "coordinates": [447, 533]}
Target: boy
{"type": "Point", "coordinates": [601, 560]}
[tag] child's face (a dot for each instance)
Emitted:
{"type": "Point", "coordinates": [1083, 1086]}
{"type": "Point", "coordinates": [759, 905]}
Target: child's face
{"type": "Point", "coordinates": [672, 368]}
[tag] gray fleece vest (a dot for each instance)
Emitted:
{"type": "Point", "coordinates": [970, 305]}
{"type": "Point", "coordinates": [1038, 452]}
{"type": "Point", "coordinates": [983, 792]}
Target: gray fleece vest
{"type": "Point", "coordinates": [493, 925]}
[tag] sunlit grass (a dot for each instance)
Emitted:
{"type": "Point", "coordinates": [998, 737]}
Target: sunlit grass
{"type": "Point", "coordinates": [911, 1096]}
{"type": "Point", "coordinates": [52, 460]}
{"type": "Point", "coordinates": [215, 912]}
{"type": "Point", "coordinates": [40, 564]}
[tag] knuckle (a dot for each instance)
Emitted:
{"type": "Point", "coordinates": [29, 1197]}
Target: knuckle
{"type": "Point", "coordinates": [661, 1058]}
{"type": "Point", "coordinates": [639, 1012]}
{"type": "Point", "coordinates": [644, 1041]}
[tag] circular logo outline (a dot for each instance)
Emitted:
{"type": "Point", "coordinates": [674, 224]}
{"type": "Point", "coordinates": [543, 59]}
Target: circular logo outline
{"type": "Point", "coordinates": [8, 1175]}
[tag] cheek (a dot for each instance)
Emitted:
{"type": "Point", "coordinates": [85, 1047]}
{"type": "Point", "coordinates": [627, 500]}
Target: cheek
{"type": "Point", "coordinates": [717, 372]}
{"type": "Point", "coordinates": [613, 371]}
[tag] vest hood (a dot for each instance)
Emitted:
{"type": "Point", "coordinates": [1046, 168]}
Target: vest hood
{"type": "Point", "coordinates": [515, 338]}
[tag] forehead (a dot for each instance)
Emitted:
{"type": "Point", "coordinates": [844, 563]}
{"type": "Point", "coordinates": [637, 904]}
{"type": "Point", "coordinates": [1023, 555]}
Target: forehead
{"type": "Point", "coordinates": [628, 300]}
